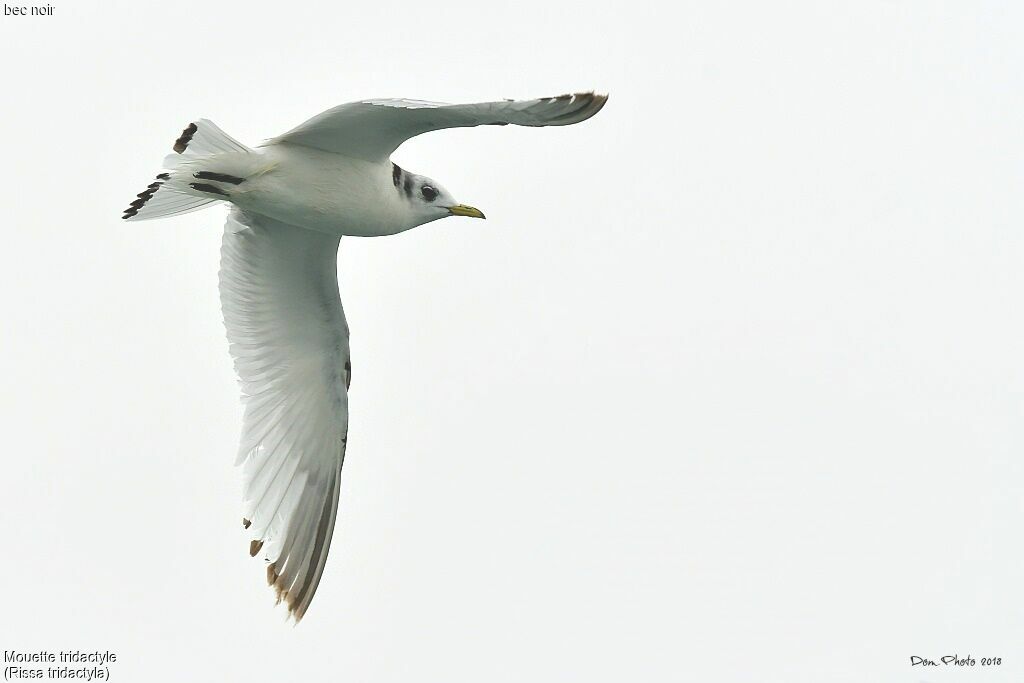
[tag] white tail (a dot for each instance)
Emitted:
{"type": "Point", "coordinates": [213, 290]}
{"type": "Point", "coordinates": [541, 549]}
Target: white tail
{"type": "Point", "coordinates": [174, 191]}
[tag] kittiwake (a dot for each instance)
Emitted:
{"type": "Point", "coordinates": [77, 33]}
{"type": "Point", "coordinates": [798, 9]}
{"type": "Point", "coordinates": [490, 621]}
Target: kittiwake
{"type": "Point", "coordinates": [293, 198]}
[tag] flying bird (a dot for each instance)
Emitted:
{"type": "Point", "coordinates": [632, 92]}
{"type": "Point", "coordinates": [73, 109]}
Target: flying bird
{"type": "Point", "coordinates": [293, 198]}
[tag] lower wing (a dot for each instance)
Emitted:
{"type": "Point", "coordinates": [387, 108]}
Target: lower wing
{"type": "Point", "coordinates": [289, 340]}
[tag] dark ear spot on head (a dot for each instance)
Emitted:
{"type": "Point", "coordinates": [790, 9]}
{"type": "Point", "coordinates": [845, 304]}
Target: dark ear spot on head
{"type": "Point", "coordinates": [428, 192]}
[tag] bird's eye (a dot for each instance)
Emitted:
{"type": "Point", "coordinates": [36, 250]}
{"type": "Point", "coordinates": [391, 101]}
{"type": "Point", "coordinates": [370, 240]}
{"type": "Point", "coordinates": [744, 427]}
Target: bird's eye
{"type": "Point", "coordinates": [429, 193]}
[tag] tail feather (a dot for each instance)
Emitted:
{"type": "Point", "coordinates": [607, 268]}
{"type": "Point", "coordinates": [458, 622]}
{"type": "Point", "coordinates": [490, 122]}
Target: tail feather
{"type": "Point", "coordinates": [174, 192]}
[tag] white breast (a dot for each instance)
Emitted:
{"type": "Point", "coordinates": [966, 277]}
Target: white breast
{"type": "Point", "coordinates": [325, 192]}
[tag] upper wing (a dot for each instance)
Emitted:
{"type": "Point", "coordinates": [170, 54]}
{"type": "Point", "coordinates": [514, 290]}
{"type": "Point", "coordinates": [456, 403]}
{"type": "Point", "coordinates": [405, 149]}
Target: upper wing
{"type": "Point", "coordinates": [289, 339]}
{"type": "Point", "coordinates": [373, 129]}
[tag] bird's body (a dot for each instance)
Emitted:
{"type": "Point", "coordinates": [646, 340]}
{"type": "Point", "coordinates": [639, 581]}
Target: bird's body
{"type": "Point", "coordinates": [294, 198]}
{"type": "Point", "coordinates": [317, 190]}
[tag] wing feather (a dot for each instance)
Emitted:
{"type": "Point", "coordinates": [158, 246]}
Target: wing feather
{"type": "Point", "coordinates": [289, 339]}
{"type": "Point", "coordinates": [373, 129]}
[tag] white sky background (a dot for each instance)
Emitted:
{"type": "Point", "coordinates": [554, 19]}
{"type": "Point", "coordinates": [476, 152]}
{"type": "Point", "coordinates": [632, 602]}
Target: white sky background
{"type": "Point", "coordinates": [728, 387]}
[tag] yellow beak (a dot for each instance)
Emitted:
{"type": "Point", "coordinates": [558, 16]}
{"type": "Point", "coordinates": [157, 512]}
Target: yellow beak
{"type": "Point", "coordinates": [463, 210]}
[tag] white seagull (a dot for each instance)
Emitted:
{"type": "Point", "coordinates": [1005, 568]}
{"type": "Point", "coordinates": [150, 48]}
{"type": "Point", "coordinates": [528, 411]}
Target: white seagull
{"type": "Point", "coordinates": [294, 197]}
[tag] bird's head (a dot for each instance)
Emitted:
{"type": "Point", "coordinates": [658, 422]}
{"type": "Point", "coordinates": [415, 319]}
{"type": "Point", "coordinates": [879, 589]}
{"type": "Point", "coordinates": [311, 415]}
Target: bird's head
{"type": "Point", "coordinates": [426, 199]}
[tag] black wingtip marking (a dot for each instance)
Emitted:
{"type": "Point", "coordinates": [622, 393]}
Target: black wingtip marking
{"type": "Point", "coordinates": [186, 137]}
{"type": "Point", "coordinates": [219, 177]}
{"type": "Point", "coordinates": [163, 176]}
{"type": "Point", "coordinates": [143, 197]}
{"type": "Point", "coordinates": [209, 189]}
